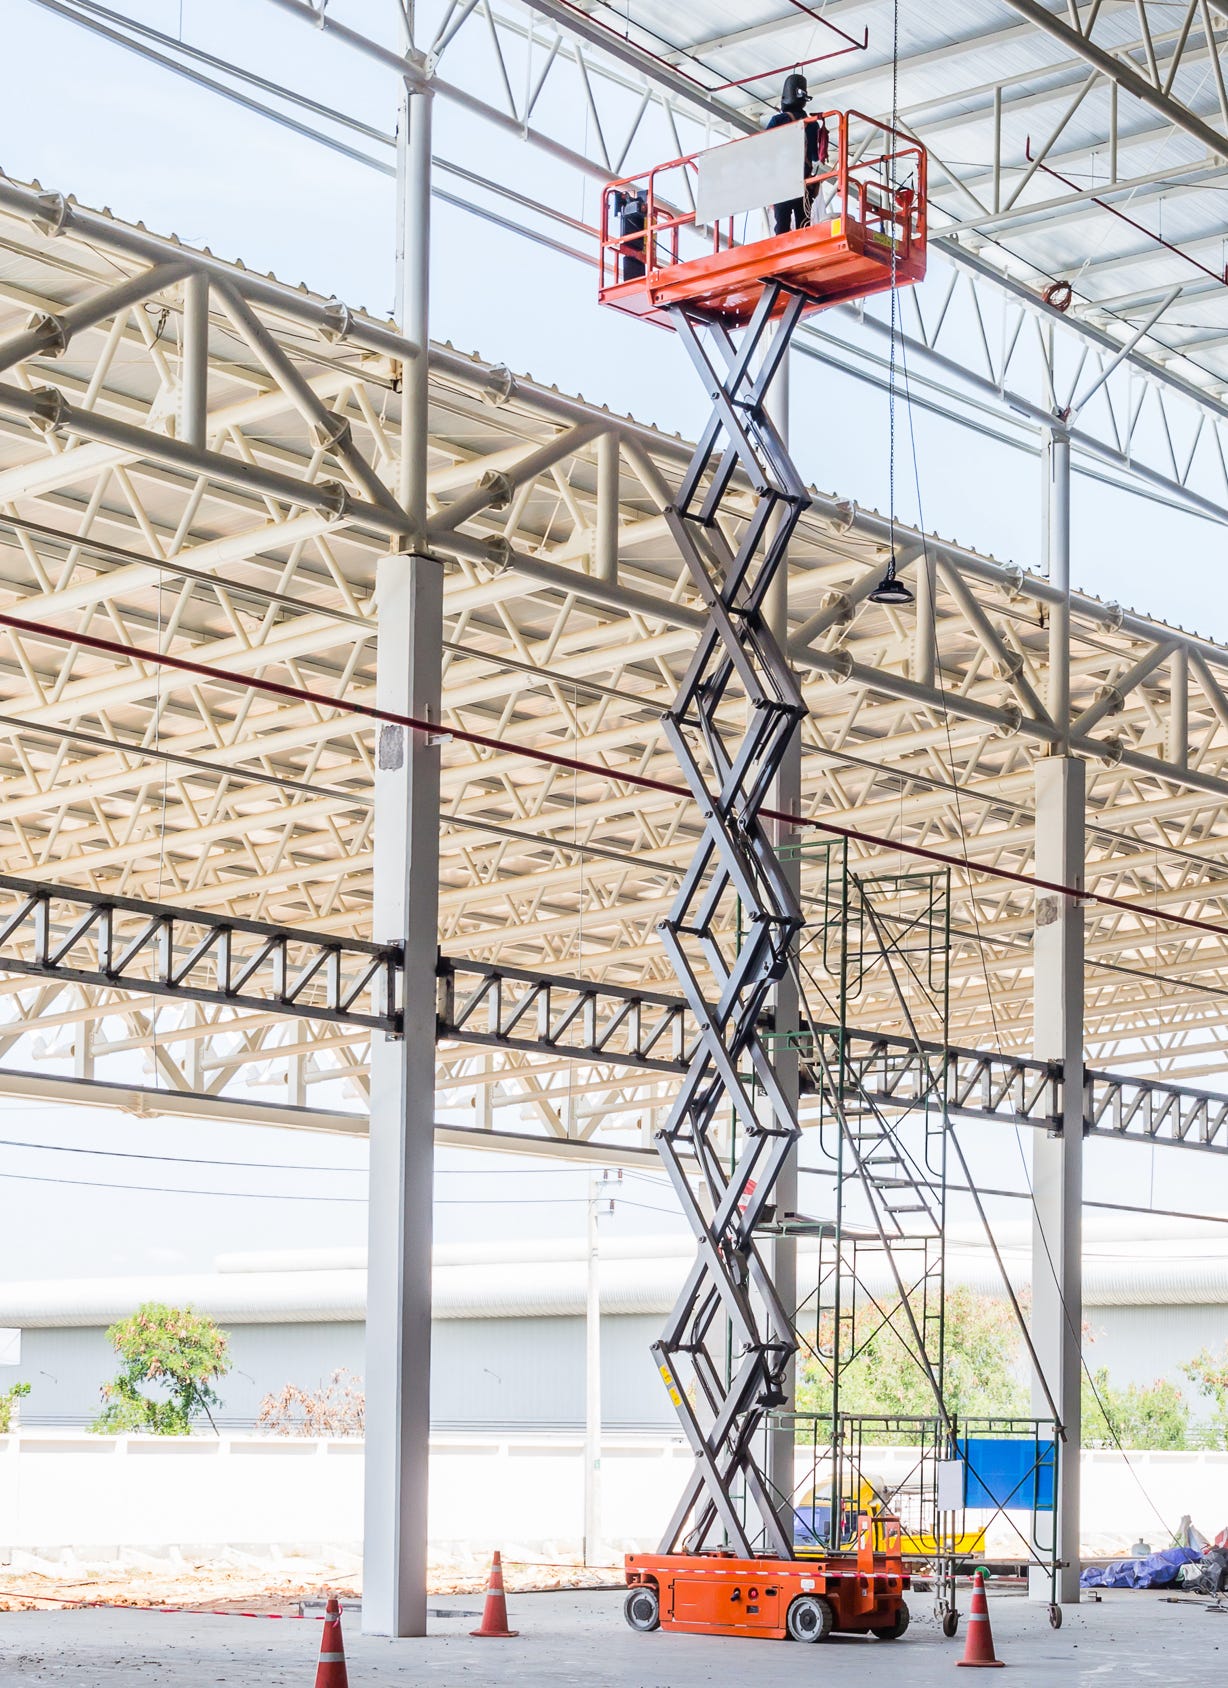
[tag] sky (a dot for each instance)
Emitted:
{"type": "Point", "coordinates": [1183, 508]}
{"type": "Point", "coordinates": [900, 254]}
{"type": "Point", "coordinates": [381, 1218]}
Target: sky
{"type": "Point", "coordinates": [117, 132]}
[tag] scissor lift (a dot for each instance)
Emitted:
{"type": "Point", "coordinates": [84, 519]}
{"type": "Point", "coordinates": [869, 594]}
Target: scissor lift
{"type": "Point", "coordinates": [867, 233]}
{"type": "Point", "coordinates": [727, 1565]}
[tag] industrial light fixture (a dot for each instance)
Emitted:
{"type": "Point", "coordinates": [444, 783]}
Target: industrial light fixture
{"type": "Point", "coordinates": [891, 589]}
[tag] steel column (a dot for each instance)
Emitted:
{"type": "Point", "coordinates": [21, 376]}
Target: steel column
{"type": "Point", "coordinates": [406, 908]}
{"type": "Point", "coordinates": [1177, 747]}
{"type": "Point", "coordinates": [1057, 1155]}
{"type": "Point", "coordinates": [194, 357]}
{"type": "Point", "coordinates": [924, 652]}
{"type": "Point", "coordinates": [414, 293]}
{"type": "Point", "coordinates": [1056, 487]}
{"type": "Point", "coordinates": [605, 541]}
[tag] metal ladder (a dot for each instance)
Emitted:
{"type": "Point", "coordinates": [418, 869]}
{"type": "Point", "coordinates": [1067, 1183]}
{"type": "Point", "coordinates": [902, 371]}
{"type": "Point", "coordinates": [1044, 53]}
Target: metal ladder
{"type": "Point", "coordinates": [725, 1351]}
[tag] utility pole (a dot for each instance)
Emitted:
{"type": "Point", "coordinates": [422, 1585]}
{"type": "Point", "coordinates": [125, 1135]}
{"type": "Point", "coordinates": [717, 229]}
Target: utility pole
{"type": "Point", "coordinates": [592, 1372]}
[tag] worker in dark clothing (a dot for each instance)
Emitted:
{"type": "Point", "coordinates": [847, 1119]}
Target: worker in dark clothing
{"type": "Point", "coordinates": [795, 97]}
{"type": "Point", "coordinates": [631, 209]}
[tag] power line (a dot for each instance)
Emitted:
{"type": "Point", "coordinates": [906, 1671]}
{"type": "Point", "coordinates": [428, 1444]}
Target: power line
{"type": "Point", "coordinates": [283, 1166]}
{"type": "Point", "coordinates": [283, 1196]}
{"type": "Point", "coordinates": [175, 1190]}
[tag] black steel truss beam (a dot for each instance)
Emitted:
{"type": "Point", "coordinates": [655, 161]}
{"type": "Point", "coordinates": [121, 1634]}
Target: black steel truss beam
{"type": "Point", "coordinates": [484, 1003]}
{"type": "Point", "coordinates": [88, 938]}
{"type": "Point", "coordinates": [85, 938]}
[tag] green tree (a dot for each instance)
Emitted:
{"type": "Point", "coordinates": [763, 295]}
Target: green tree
{"type": "Point", "coordinates": [181, 1352]}
{"type": "Point", "coordinates": [1140, 1415]}
{"type": "Point", "coordinates": [8, 1400]}
{"type": "Point", "coordinates": [884, 1377]}
{"type": "Point", "coordinates": [1208, 1371]}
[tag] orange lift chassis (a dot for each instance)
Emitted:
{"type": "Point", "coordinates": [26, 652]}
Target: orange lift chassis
{"type": "Point", "coordinates": [727, 1563]}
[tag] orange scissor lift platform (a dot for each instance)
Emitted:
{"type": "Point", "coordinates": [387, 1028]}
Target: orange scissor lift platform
{"type": "Point", "coordinates": [865, 233]}
{"type": "Point", "coordinates": [859, 1593]}
{"type": "Point", "coordinates": [868, 232]}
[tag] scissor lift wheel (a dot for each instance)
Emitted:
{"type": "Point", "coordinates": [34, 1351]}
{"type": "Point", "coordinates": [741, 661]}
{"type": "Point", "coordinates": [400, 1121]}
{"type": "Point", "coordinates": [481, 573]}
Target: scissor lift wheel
{"type": "Point", "coordinates": [810, 1618]}
{"type": "Point", "coordinates": [896, 1628]}
{"type": "Point", "coordinates": [642, 1608]}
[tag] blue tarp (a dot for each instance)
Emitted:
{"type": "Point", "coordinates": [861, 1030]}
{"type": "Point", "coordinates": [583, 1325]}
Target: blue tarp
{"type": "Point", "coordinates": [1158, 1570]}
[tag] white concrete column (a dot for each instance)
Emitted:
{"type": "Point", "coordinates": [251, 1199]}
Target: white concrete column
{"type": "Point", "coordinates": [1057, 1156]}
{"type": "Point", "coordinates": [398, 1340]}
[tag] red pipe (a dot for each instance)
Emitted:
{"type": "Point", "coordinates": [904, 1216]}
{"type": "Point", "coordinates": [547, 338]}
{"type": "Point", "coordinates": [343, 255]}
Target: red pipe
{"type": "Point", "coordinates": [798, 64]}
{"type": "Point", "coordinates": [644, 782]}
{"type": "Point", "coordinates": [676, 70]}
{"type": "Point", "coordinates": [1216, 275]}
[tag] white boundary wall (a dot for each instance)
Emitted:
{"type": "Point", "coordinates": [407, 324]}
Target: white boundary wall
{"type": "Point", "coordinates": [100, 1495]}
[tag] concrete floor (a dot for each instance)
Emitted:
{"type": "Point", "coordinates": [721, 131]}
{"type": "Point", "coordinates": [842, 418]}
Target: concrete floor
{"type": "Point", "coordinates": [570, 1638]}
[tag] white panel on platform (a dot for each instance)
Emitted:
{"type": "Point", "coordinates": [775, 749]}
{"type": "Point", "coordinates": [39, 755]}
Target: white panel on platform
{"type": "Point", "coordinates": [950, 1485]}
{"type": "Point", "coordinates": [745, 175]}
{"type": "Point", "coordinates": [10, 1347]}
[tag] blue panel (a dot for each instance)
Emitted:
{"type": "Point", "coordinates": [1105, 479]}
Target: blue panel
{"type": "Point", "coordinates": [1012, 1473]}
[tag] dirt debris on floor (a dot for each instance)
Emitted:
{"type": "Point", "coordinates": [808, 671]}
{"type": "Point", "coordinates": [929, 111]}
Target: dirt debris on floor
{"type": "Point", "coordinates": [238, 1583]}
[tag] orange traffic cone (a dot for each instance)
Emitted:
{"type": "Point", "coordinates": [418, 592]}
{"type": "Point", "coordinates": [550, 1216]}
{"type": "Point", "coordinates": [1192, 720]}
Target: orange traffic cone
{"type": "Point", "coordinates": [330, 1672]}
{"type": "Point", "coordinates": [494, 1615]}
{"type": "Point", "coordinates": [978, 1649]}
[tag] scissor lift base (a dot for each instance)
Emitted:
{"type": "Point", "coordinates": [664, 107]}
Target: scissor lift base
{"type": "Point", "coordinates": [716, 1594]}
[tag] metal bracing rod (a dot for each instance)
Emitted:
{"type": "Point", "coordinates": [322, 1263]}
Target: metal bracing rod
{"type": "Point", "coordinates": [1149, 322]}
{"type": "Point", "coordinates": [54, 214]}
{"type": "Point", "coordinates": [49, 335]}
{"type": "Point", "coordinates": [1122, 72]}
{"type": "Point", "coordinates": [495, 488]}
{"type": "Point", "coordinates": [47, 409]}
{"type": "Point", "coordinates": [331, 431]}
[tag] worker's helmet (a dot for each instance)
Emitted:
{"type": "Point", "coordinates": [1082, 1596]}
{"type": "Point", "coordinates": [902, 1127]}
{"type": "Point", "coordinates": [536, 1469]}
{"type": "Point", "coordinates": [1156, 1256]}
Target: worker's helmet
{"type": "Point", "coordinates": [796, 94]}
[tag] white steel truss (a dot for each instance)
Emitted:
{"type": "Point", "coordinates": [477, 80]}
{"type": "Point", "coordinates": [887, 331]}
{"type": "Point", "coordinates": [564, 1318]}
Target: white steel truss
{"type": "Point", "coordinates": [194, 459]}
{"type": "Point", "coordinates": [1052, 181]}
